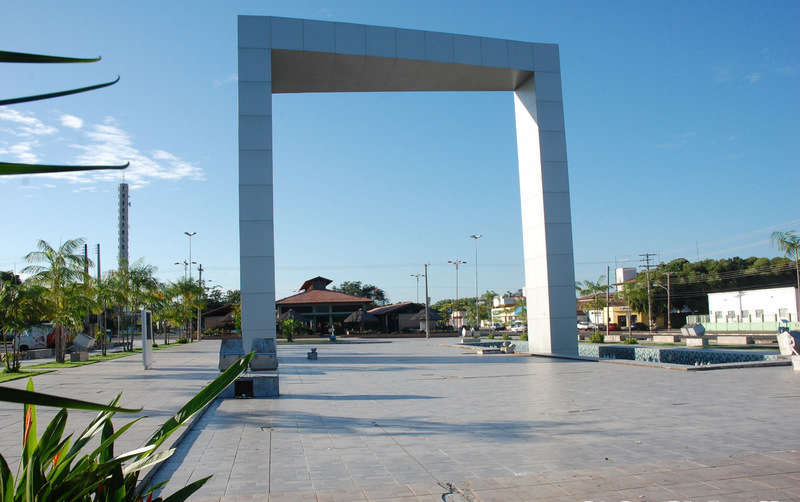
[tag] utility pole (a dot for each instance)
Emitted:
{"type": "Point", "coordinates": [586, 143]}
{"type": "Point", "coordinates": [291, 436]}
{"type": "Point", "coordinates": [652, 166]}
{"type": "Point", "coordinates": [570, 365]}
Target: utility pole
{"type": "Point", "coordinates": [427, 306]}
{"type": "Point", "coordinates": [646, 260]}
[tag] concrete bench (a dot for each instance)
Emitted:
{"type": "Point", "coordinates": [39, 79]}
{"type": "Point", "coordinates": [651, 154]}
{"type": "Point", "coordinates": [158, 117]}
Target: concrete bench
{"type": "Point", "coordinates": [734, 340]}
{"type": "Point", "coordinates": [81, 356]}
{"type": "Point", "coordinates": [39, 353]}
{"type": "Point", "coordinates": [696, 341]}
{"type": "Point", "coordinates": [666, 339]}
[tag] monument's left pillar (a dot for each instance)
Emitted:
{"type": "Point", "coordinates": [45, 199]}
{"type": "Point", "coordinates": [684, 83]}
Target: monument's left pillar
{"type": "Point", "coordinates": [256, 226]}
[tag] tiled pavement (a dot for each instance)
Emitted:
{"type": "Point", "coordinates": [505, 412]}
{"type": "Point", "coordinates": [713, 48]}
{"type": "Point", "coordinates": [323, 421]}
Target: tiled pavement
{"type": "Point", "coordinates": [411, 420]}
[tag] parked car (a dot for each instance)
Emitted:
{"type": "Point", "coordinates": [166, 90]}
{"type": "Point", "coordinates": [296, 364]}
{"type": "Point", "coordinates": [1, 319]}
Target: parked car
{"type": "Point", "coordinates": [639, 326]}
{"type": "Point", "coordinates": [498, 327]}
{"type": "Point", "coordinates": [37, 337]}
{"type": "Point", "coordinates": [612, 326]}
{"type": "Point", "coordinates": [519, 327]}
{"type": "Point", "coordinates": [586, 325]}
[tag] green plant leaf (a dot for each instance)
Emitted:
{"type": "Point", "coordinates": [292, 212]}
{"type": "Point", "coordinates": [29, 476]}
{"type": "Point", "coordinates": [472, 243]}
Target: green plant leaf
{"type": "Point", "coordinates": [187, 491]}
{"type": "Point", "coordinates": [29, 398]}
{"type": "Point", "coordinates": [147, 461]}
{"type": "Point", "coordinates": [10, 169]}
{"type": "Point", "coordinates": [21, 57]}
{"type": "Point", "coordinates": [27, 99]}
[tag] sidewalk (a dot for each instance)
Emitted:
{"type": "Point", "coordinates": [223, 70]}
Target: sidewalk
{"type": "Point", "coordinates": [411, 420]}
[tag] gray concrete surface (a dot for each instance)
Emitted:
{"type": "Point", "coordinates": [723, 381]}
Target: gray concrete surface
{"type": "Point", "coordinates": [412, 420]}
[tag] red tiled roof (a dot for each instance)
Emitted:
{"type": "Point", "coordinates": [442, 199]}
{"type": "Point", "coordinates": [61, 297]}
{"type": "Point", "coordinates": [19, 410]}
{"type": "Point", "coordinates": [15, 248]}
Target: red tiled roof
{"type": "Point", "coordinates": [321, 296]}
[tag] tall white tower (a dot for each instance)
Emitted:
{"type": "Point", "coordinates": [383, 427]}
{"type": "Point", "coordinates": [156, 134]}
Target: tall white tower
{"type": "Point", "coordinates": [124, 204]}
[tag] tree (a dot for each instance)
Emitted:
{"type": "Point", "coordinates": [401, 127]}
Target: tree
{"type": "Point", "coordinates": [19, 309]}
{"type": "Point", "coordinates": [595, 289]}
{"type": "Point", "coordinates": [789, 243]}
{"type": "Point", "coordinates": [136, 287]}
{"type": "Point", "coordinates": [355, 288]}
{"type": "Point", "coordinates": [65, 284]}
{"type": "Point", "coordinates": [106, 296]}
{"type": "Point", "coordinates": [189, 294]}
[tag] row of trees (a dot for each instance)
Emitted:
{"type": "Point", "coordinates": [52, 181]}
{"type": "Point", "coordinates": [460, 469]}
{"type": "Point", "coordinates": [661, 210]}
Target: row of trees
{"type": "Point", "coordinates": [476, 311]}
{"type": "Point", "coordinates": [689, 283]}
{"type": "Point", "coordinates": [58, 288]}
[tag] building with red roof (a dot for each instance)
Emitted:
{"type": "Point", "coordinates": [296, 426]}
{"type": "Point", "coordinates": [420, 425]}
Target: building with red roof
{"type": "Point", "coordinates": [324, 307]}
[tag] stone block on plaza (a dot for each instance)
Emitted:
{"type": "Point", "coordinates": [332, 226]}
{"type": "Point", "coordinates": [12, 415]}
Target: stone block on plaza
{"type": "Point", "coordinates": [789, 342]}
{"type": "Point", "coordinates": [734, 340]}
{"type": "Point", "coordinates": [696, 341]}
{"type": "Point", "coordinates": [253, 386]}
{"type": "Point", "coordinates": [230, 351]}
{"type": "Point", "coordinates": [265, 357]}
{"type": "Point", "coordinates": [666, 339]}
{"type": "Point", "coordinates": [79, 357]}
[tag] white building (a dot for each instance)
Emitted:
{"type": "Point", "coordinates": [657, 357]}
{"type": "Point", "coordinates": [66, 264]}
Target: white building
{"type": "Point", "coordinates": [755, 305]}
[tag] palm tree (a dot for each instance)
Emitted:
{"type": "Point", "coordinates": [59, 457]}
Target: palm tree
{"type": "Point", "coordinates": [190, 295]}
{"type": "Point", "coordinates": [63, 276]}
{"type": "Point", "coordinates": [135, 285]}
{"type": "Point", "coordinates": [594, 289]}
{"type": "Point", "coordinates": [106, 296]}
{"type": "Point", "coordinates": [789, 243]}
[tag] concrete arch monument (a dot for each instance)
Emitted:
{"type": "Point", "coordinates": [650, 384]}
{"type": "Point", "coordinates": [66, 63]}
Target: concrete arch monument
{"type": "Point", "coordinates": [283, 55]}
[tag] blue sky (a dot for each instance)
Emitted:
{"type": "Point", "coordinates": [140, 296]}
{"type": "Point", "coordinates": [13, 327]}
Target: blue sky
{"type": "Point", "coordinates": [682, 121]}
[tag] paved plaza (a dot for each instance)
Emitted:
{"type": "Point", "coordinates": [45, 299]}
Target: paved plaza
{"type": "Point", "coordinates": [412, 420]}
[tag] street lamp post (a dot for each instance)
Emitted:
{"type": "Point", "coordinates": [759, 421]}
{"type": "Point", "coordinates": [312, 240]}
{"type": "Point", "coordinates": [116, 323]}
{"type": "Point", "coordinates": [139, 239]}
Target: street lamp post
{"type": "Point", "coordinates": [185, 267]}
{"type": "Point", "coordinates": [417, 276]}
{"type": "Point", "coordinates": [669, 306]}
{"type": "Point", "coordinates": [456, 263]}
{"type": "Point", "coordinates": [477, 314]}
{"type": "Point", "coordinates": [190, 234]}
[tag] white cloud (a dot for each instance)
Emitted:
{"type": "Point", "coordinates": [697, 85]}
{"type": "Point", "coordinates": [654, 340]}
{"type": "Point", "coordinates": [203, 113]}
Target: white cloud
{"type": "Point", "coordinates": [232, 78]}
{"type": "Point", "coordinates": [22, 152]}
{"type": "Point", "coordinates": [71, 121]}
{"type": "Point", "coordinates": [105, 144]}
{"type": "Point", "coordinates": [25, 124]}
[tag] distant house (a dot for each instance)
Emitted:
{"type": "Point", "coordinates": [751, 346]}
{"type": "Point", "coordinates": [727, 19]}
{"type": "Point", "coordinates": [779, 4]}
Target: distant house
{"type": "Point", "coordinates": [753, 305]}
{"type": "Point", "coordinates": [507, 309]}
{"type": "Point", "coordinates": [397, 317]}
{"type": "Point", "coordinates": [617, 312]}
{"type": "Point", "coordinates": [324, 307]}
{"type": "Point", "coordinates": [218, 318]}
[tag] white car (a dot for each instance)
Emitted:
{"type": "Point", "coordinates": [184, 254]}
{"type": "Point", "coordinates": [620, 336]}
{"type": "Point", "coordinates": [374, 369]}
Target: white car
{"type": "Point", "coordinates": [518, 327]}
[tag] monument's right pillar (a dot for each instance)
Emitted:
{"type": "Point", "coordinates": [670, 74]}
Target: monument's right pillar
{"type": "Point", "coordinates": [546, 218]}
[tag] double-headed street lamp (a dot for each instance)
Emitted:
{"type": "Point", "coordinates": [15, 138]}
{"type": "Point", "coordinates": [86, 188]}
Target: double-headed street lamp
{"type": "Point", "coordinates": [477, 315]}
{"type": "Point", "coordinates": [417, 276]}
{"type": "Point", "coordinates": [456, 263]}
{"type": "Point", "coordinates": [190, 234]}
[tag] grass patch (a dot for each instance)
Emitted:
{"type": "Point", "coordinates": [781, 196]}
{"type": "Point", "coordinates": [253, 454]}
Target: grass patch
{"type": "Point", "coordinates": [7, 377]}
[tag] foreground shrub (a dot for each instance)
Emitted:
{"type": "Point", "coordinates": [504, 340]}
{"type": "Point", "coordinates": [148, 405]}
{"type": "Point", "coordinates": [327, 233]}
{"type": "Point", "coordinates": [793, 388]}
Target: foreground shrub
{"type": "Point", "coordinates": [523, 336]}
{"type": "Point", "coordinates": [54, 468]}
{"type": "Point", "coordinates": [597, 337]}
{"type": "Point", "coordinates": [505, 336]}
{"type": "Point", "coordinates": [630, 341]}
{"type": "Point", "coordinates": [490, 336]}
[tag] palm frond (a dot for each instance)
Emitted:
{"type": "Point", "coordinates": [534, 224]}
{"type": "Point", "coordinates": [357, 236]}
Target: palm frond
{"type": "Point", "coordinates": [22, 57]}
{"type": "Point", "coordinates": [14, 168]}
